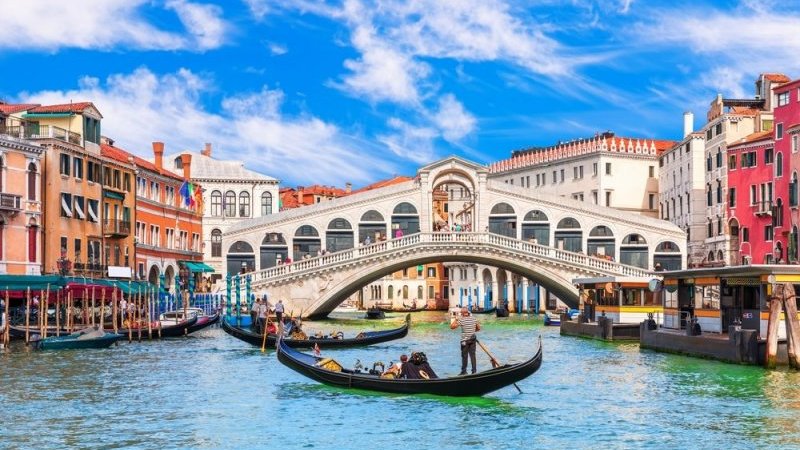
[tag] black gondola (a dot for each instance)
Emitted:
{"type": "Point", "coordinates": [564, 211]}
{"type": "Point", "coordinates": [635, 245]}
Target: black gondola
{"type": "Point", "coordinates": [374, 313]}
{"type": "Point", "coordinates": [204, 322]}
{"type": "Point", "coordinates": [177, 330]}
{"type": "Point", "coordinates": [502, 312]}
{"type": "Point", "coordinates": [365, 338]}
{"type": "Point", "coordinates": [403, 310]}
{"type": "Point", "coordinates": [484, 311]}
{"type": "Point", "coordinates": [460, 386]}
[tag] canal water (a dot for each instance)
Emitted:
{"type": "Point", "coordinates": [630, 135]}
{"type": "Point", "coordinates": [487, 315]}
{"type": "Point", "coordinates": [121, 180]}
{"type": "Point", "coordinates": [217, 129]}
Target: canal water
{"type": "Point", "coordinates": [213, 391]}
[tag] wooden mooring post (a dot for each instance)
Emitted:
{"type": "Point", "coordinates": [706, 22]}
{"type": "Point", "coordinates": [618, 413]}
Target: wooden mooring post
{"type": "Point", "coordinates": [783, 297]}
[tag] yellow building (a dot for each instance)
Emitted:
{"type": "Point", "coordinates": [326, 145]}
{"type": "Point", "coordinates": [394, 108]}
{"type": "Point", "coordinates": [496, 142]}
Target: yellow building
{"type": "Point", "coordinates": [20, 197]}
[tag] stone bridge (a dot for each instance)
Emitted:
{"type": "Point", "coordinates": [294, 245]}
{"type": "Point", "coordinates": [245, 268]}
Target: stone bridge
{"type": "Point", "coordinates": [543, 238]}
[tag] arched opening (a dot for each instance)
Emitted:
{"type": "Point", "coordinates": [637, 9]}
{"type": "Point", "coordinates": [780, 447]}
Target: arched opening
{"type": "Point", "coordinates": [488, 290]}
{"type": "Point", "coordinates": [710, 257]}
{"type": "Point", "coordinates": [390, 293]}
{"type": "Point", "coordinates": [33, 244]}
{"type": "Point", "coordinates": [779, 252]}
{"type": "Point", "coordinates": [568, 235]}
{"type": "Point", "coordinates": [406, 219]}
{"type": "Point", "coordinates": [339, 235]}
{"type": "Point", "coordinates": [169, 278]}
{"type": "Point", "coordinates": [405, 292]}
{"type": "Point", "coordinates": [503, 220]}
{"type": "Point", "coordinates": [306, 243]}
{"type": "Point", "coordinates": [536, 228]}
{"type": "Point", "coordinates": [216, 203]}
{"type": "Point", "coordinates": [453, 201]}
{"type": "Point", "coordinates": [273, 250]}
{"type": "Point", "coordinates": [216, 243]}
{"type": "Point", "coordinates": [372, 224]}
{"type": "Point", "coordinates": [633, 251]}
{"type": "Point", "coordinates": [241, 258]}
{"type": "Point", "coordinates": [793, 190]}
{"type": "Point", "coordinates": [153, 276]}
{"type": "Point", "coordinates": [229, 204]}
{"type": "Point", "coordinates": [420, 293]}
{"type": "Point", "coordinates": [244, 204]}
{"type": "Point", "coordinates": [668, 255]}
{"type": "Point", "coordinates": [32, 181]}
{"type": "Point", "coordinates": [266, 204]}
{"type": "Point", "coordinates": [503, 295]}
{"type": "Point", "coordinates": [600, 243]}
{"type": "Point", "coordinates": [720, 256]}
{"type": "Point", "coordinates": [778, 213]}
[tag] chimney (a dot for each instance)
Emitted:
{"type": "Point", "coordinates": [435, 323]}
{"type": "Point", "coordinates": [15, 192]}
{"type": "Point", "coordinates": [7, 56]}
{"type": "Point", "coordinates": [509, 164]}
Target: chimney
{"type": "Point", "coordinates": [158, 152]}
{"type": "Point", "coordinates": [300, 194]}
{"type": "Point", "coordinates": [688, 123]}
{"type": "Point", "coordinates": [348, 187]}
{"type": "Point", "coordinates": [207, 151]}
{"type": "Point", "coordinates": [186, 161]}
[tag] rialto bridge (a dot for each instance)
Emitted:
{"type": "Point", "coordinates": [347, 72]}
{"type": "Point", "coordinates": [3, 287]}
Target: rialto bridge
{"type": "Point", "coordinates": [450, 212]}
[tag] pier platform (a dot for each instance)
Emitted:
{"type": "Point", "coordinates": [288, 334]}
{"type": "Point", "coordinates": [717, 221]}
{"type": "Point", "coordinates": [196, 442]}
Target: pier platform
{"type": "Point", "coordinates": [604, 329]}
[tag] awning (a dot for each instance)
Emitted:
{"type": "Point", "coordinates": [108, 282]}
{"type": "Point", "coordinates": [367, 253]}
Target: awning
{"type": "Point", "coordinates": [112, 194]}
{"type": "Point", "coordinates": [196, 266]}
{"type": "Point", "coordinates": [34, 282]}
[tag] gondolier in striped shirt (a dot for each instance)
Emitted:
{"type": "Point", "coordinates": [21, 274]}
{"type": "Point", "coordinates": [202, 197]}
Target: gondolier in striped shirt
{"type": "Point", "coordinates": [469, 326]}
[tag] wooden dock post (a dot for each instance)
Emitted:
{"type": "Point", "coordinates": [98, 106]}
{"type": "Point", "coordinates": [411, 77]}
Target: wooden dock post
{"type": "Point", "coordinates": [792, 325]}
{"type": "Point", "coordinates": [772, 332]}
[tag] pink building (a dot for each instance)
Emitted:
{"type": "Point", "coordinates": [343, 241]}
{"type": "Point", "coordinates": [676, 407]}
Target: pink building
{"type": "Point", "coordinates": [757, 196]}
{"type": "Point", "coordinates": [787, 142]}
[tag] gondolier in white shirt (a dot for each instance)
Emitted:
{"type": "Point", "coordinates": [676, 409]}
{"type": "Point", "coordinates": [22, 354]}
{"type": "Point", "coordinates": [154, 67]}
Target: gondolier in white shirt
{"type": "Point", "coordinates": [469, 326]}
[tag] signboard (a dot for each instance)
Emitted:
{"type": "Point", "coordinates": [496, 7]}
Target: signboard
{"type": "Point", "coordinates": [119, 272]}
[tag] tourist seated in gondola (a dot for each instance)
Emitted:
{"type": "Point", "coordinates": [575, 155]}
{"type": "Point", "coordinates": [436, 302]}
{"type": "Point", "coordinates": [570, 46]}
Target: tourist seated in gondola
{"type": "Point", "coordinates": [417, 368]}
{"type": "Point", "coordinates": [396, 369]}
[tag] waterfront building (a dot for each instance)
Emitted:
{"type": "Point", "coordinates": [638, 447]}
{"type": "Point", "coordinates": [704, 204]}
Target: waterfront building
{"type": "Point", "coordinates": [20, 196]}
{"type": "Point", "coordinates": [231, 194]}
{"type": "Point", "coordinates": [756, 201]}
{"type": "Point", "coordinates": [168, 226]}
{"type": "Point", "coordinates": [607, 170]}
{"type": "Point", "coordinates": [682, 189]}
{"type": "Point", "coordinates": [787, 143]}
{"type": "Point", "coordinates": [728, 121]}
{"type": "Point", "coordinates": [309, 195]}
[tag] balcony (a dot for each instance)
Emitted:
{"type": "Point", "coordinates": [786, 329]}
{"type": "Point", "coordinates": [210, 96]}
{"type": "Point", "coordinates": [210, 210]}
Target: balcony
{"type": "Point", "coordinates": [763, 208]}
{"type": "Point", "coordinates": [10, 202]}
{"type": "Point", "coordinates": [116, 228]}
{"type": "Point", "coordinates": [36, 131]}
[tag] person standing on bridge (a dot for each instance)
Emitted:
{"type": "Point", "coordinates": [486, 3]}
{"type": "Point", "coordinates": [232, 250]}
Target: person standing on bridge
{"type": "Point", "coordinates": [469, 326]}
{"type": "Point", "coordinates": [279, 311]}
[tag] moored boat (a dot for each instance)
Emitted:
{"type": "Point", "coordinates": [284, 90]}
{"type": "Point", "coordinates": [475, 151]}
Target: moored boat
{"type": "Point", "coordinates": [363, 338]}
{"type": "Point", "coordinates": [88, 338]}
{"type": "Point", "coordinates": [552, 319]}
{"type": "Point", "coordinates": [171, 318]}
{"type": "Point", "coordinates": [375, 313]}
{"type": "Point", "coordinates": [483, 311]}
{"type": "Point", "coordinates": [327, 371]}
{"type": "Point", "coordinates": [180, 329]}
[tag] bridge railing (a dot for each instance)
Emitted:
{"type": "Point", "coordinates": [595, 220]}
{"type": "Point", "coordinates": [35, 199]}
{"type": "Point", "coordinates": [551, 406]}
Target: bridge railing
{"type": "Point", "coordinates": [461, 238]}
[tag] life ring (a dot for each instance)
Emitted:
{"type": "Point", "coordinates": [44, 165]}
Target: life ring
{"type": "Point", "coordinates": [424, 375]}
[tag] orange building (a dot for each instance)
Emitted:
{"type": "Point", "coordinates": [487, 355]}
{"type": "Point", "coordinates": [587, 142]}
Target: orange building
{"type": "Point", "coordinates": [168, 227]}
{"type": "Point", "coordinates": [309, 195]}
{"type": "Point", "coordinates": [20, 196]}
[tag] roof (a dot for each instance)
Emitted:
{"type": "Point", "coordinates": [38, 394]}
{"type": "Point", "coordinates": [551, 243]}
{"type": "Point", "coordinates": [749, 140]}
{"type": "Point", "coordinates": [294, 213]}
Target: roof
{"type": "Point", "coordinates": [11, 108]}
{"type": "Point", "coordinates": [776, 77]}
{"type": "Point", "coordinates": [207, 167]}
{"type": "Point", "coordinates": [751, 138]}
{"type": "Point", "coordinates": [62, 108]}
{"type": "Point", "coordinates": [290, 196]}
{"type": "Point", "coordinates": [785, 87]}
{"type": "Point", "coordinates": [383, 183]}
{"type": "Point", "coordinates": [121, 155]}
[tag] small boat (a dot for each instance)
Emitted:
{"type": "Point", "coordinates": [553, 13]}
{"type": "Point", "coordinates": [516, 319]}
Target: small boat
{"type": "Point", "coordinates": [483, 311]}
{"type": "Point", "coordinates": [18, 331]}
{"type": "Point", "coordinates": [404, 309]}
{"type": "Point", "coordinates": [375, 313]}
{"type": "Point", "coordinates": [363, 338]}
{"type": "Point", "coordinates": [501, 312]}
{"type": "Point", "coordinates": [88, 338]}
{"type": "Point", "coordinates": [552, 319]}
{"type": "Point", "coordinates": [327, 371]}
{"type": "Point", "coordinates": [171, 318]}
{"type": "Point", "coordinates": [180, 329]}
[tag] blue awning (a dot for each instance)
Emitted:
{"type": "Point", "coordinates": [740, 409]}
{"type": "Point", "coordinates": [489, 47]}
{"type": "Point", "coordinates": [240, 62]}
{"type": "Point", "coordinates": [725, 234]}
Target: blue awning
{"type": "Point", "coordinates": [196, 266]}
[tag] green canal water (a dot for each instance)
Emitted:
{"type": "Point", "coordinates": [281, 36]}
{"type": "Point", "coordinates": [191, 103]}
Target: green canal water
{"type": "Point", "coordinates": [213, 391]}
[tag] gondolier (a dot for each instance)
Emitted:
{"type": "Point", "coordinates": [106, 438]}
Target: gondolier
{"type": "Point", "coordinates": [469, 326]}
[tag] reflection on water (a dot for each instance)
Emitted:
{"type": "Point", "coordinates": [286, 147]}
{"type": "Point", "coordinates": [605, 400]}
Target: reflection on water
{"type": "Point", "coordinates": [212, 391]}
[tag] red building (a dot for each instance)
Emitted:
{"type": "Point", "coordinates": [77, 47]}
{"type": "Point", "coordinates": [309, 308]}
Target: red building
{"type": "Point", "coordinates": [757, 196]}
{"type": "Point", "coordinates": [787, 142]}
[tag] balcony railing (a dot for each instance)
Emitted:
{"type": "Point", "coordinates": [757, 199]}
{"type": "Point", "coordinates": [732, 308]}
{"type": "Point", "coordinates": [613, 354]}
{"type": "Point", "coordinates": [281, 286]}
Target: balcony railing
{"type": "Point", "coordinates": [36, 131]}
{"type": "Point", "coordinates": [10, 202]}
{"type": "Point", "coordinates": [117, 227]}
{"type": "Point", "coordinates": [764, 208]}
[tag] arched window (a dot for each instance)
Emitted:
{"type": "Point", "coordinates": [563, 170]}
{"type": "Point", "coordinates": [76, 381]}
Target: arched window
{"type": "Point", "coordinates": [229, 205]}
{"type": "Point", "coordinates": [32, 181]}
{"type": "Point", "coordinates": [502, 208]}
{"type": "Point", "coordinates": [390, 293]}
{"type": "Point", "coordinates": [244, 204]}
{"type": "Point", "coordinates": [405, 292]}
{"type": "Point", "coordinates": [216, 203]}
{"type": "Point", "coordinates": [633, 251]}
{"type": "Point", "coordinates": [793, 190]}
{"type": "Point", "coordinates": [503, 220]}
{"type": "Point", "coordinates": [266, 203]}
{"type": "Point", "coordinates": [420, 292]}
{"type": "Point", "coordinates": [216, 243]}
{"type": "Point", "coordinates": [568, 235]}
{"type": "Point", "coordinates": [710, 256]}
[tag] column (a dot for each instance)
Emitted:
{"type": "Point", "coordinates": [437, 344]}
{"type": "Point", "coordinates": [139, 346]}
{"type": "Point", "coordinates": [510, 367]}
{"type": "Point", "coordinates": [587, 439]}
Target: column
{"type": "Point", "coordinates": [495, 293]}
{"type": "Point", "coordinates": [510, 292]}
{"type": "Point", "coordinates": [525, 295]}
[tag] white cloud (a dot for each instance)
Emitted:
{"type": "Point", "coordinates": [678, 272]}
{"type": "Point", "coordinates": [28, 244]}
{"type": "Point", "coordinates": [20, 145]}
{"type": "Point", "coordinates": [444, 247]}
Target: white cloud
{"type": "Point", "coordinates": [259, 8]}
{"type": "Point", "coordinates": [277, 49]}
{"type": "Point", "coordinates": [88, 24]}
{"type": "Point", "coordinates": [202, 21]}
{"type": "Point", "coordinates": [410, 142]}
{"type": "Point", "coordinates": [452, 119]}
{"type": "Point", "coordinates": [142, 106]}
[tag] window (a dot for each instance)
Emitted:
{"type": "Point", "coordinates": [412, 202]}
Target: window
{"type": "Point", "coordinates": [229, 204]}
{"type": "Point", "coordinates": [431, 272]}
{"type": "Point", "coordinates": [795, 142]}
{"type": "Point", "coordinates": [594, 197]}
{"type": "Point", "coordinates": [753, 197]}
{"type": "Point", "coordinates": [608, 168]}
{"type": "Point", "coordinates": [537, 179]}
{"type": "Point", "coordinates": [745, 234]}
{"type": "Point", "coordinates": [709, 134]}
{"type": "Point", "coordinates": [77, 168]}
{"type": "Point", "coordinates": [651, 201]}
{"type": "Point", "coordinates": [77, 250]}
{"type": "Point", "coordinates": [608, 198]}
{"type": "Point", "coordinates": [580, 172]}
{"type": "Point", "coordinates": [64, 244]}
{"type": "Point", "coordinates": [651, 172]}
{"type": "Point", "coordinates": [126, 182]}
{"type": "Point", "coordinates": [783, 99]}
{"type": "Point", "coordinates": [708, 195]}
{"type": "Point", "coordinates": [708, 163]}
{"type": "Point", "coordinates": [779, 165]}
{"type": "Point", "coordinates": [719, 192]}
{"type": "Point", "coordinates": [266, 204]}
{"type": "Point", "coordinates": [710, 229]}
{"type": "Point", "coordinates": [66, 205]}
{"type": "Point", "coordinates": [575, 172]}
{"type": "Point", "coordinates": [90, 171]}
{"type": "Point", "coordinates": [80, 207]}
{"type": "Point", "coordinates": [594, 169]}
{"type": "Point", "coordinates": [216, 243]}
{"type": "Point", "coordinates": [91, 130]}
{"type": "Point", "coordinates": [244, 204]}
{"type": "Point", "coordinates": [778, 131]}
{"type": "Point", "coordinates": [106, 176]}
{"type": "Point", "coordinates": [718, 129]}
{"type": "Point", "coordinates": [732, 197]}
{"type": "Point", "coordinates": [32, 175]}
{"type": "Point", "coordinates": [732, 162]}
{"type": "Point", "coordinates": [562, 175]}
{"type": "Point", "coordinates": [768, 232]}
{"type": "Point", "coordinates": [216, 203]}
{"type": "Point", "coordinates": [555, 176]}
{"type": "Point", "coordinates": [768, 156]}
{"type": "Point", "coordinates": [92, 210]}
{"type": "Point", "coordinates": [64, 164]}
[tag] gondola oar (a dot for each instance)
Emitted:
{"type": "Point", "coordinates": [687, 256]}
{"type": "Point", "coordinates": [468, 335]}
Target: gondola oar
{"type": "Point", "coordinates": [495, 362]}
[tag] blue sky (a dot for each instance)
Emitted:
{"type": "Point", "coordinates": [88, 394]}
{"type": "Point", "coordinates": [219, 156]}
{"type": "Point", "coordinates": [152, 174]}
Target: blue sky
{"type": "Point", "coordinates": [360, 90]}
